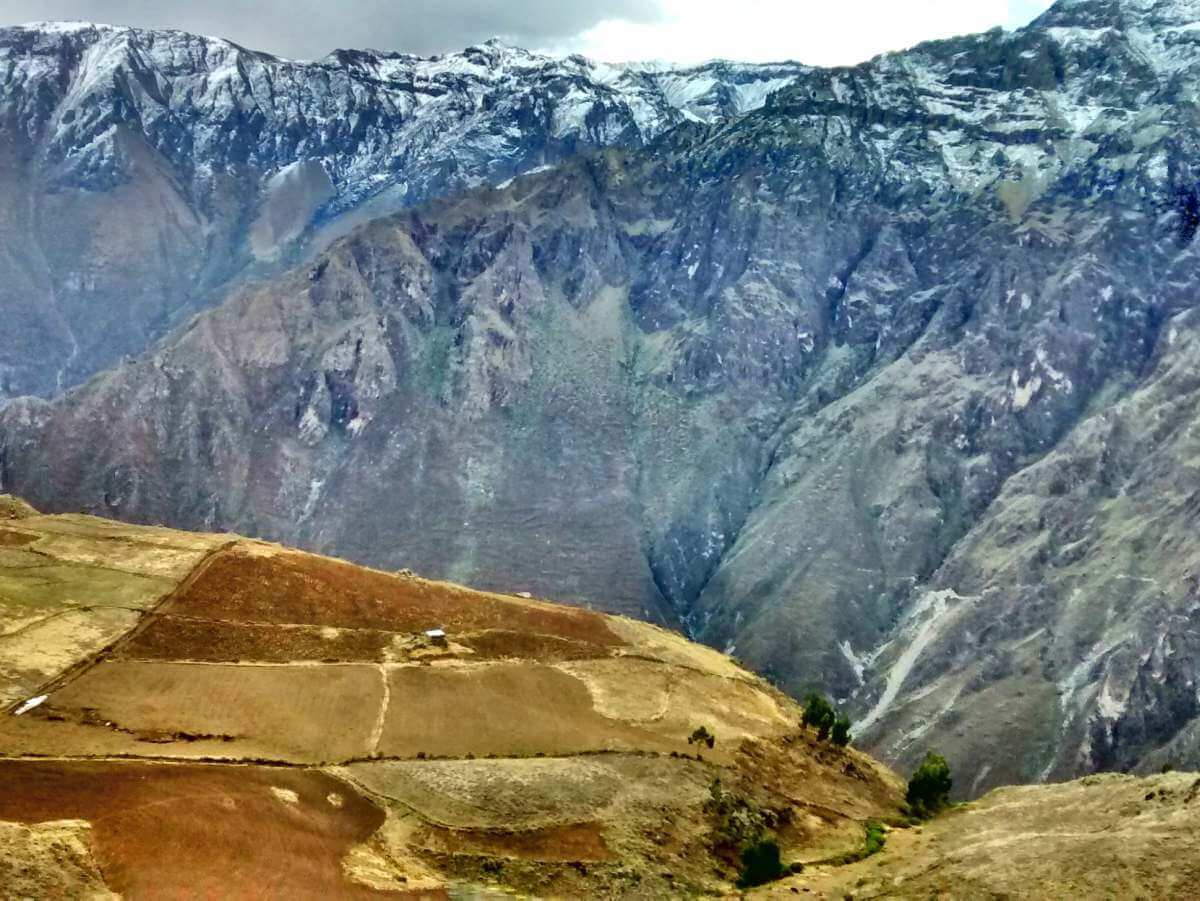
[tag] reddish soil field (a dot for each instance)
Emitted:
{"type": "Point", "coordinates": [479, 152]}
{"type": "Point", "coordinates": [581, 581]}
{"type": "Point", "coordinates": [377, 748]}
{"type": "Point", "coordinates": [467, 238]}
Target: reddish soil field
{"type": "Point", "coordinates": [517, 709]}
{"type": "Point", "coordinates": [174, 638]}
{"type": "Point", "coordinates": [574, 842]}
{"type": "Point", "coordinates": [168, 637]}
{"type": "Point", "coordinates": [291, 587]}
{"type": "Point", "coordinates": [192, 831]}
{"type": "Point", "coordinates": [497, 644]}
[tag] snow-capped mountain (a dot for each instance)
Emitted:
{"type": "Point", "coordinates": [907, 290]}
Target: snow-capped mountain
{"type": "Point", "coordinates": [159, 164]}
{"type": "Point", "coordinates": [374, 121]}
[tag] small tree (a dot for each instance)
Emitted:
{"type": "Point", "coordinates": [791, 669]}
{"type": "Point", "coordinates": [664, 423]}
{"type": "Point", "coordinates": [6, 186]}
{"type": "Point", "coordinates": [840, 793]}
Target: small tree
{"type": "Point", "coordinates": [841, 731]}
{"type": "Point", "coordinates": [702, 737]}
{"type": "Point", "coordinates": [819, 714]}
{"type": "Point", "coordinates": [929, 787]}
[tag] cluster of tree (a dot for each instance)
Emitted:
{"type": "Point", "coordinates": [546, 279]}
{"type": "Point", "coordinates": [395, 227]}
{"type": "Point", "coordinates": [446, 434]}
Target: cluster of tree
{"type": "Point", "coordinates": [929, 787]}
{"type": "Point", "coordinates": [821, 715]}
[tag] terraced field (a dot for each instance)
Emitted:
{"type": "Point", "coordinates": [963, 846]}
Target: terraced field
{"type": "Point", "coordinates": [72, 585]}
{"type": "Point", "coordinates": [204, 715]}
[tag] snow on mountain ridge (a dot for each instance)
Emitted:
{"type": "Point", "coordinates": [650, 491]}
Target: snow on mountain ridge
{"type": "Point", "coordinates": [200, 126]}
{"type": "Point", "coordinates": [372, 118]}
{"type": "Point", "coordinates": [1032, 103]}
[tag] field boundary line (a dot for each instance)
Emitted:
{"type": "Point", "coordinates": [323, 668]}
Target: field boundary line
{"type": "Point", "coordinates": [79, 667]}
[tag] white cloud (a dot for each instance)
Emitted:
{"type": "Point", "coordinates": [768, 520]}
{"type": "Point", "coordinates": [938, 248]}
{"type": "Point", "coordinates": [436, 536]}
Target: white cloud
{"type": "Point", "coordinates": [819, 32]}
{"type": "Point", "coordinates": [309, 29]}
{"type": "Point", "coordinates": [813, 31]}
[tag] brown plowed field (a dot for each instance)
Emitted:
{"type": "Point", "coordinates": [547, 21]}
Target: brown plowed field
{"type": "Point", "coordinates": [299, 713]}
{"type": "Point", "coordinates": [35, 734]}
{"type": "Point", "coordinates": [194, 831]}
{"type": "Point", "coordinates": [508, 709]}
{"type": "Point", "coordinates": [290, 587]}
{"type": "Point", "coordinates": [174, 638]}
{"type": "Point", "coordinates": [169, 637]}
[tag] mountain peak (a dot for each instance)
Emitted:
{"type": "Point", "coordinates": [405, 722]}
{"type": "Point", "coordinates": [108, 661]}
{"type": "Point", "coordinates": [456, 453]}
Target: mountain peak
{"type": "Point", "coordinates": [1096, 13]}
{"type": "Point", "coordinates": [67, 26]}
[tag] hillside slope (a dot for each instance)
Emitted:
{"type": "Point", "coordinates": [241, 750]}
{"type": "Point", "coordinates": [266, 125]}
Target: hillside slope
{"type": "Point", "coordinates": [885, 387]}
{"type": "Point", "coordinates": [204, 715]}
{"type": "Point", "coordinates": [1107, 836]}
{"type": "Point", "coordinates": [268, 722]}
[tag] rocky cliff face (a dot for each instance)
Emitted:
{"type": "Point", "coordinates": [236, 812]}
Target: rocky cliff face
{"type": "Point", "coordinates": [141, 171]}
{"type": "Point", "coordinates": [885, 387]}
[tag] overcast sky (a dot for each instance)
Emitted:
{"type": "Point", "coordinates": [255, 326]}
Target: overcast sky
{"type": "Point", "coordinates": [825, 32]}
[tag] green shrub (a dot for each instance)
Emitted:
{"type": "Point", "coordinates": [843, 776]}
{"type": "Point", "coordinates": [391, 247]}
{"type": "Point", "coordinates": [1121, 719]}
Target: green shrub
{"type": "Point", "coordinates": [761, 863]}
{"type": "Point", "coordinates": [741, 827]}
{"type": "Point", "coordinates": [929, 787]}
{"type": "Point", "coordinates": [841, 731]}
{"type": "Point", "coordinates": [702, 737]}
{"type": "Point", "coordinates": [818, 713]}
{"type": "Point", "coordinates": [875, 839]}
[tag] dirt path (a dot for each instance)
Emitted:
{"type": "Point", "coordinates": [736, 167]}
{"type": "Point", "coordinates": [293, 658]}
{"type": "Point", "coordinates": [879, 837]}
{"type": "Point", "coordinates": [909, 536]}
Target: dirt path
{"type": "Point", "coordinates": [377, 730]}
